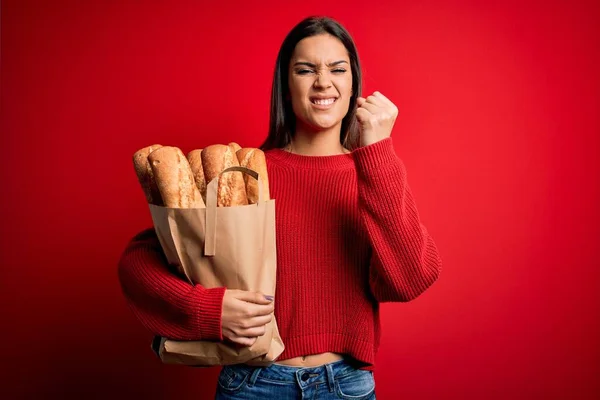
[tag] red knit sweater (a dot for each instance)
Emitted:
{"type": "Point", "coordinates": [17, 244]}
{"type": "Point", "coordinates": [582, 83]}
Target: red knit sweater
{"type": "Point", "coordinates": [348, 237]}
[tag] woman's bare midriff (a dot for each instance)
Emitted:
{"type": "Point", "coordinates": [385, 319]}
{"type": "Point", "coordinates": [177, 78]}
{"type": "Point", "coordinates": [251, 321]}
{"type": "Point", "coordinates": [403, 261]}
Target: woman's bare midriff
{"type": "Point", "coordinates": [312, 360]}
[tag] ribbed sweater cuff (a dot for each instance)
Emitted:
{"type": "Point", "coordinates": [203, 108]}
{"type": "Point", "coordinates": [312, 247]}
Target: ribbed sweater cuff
{"type": "Point", "coordinates": [206, 306]}
{"type": "Point", "coordinates": [375, 155]}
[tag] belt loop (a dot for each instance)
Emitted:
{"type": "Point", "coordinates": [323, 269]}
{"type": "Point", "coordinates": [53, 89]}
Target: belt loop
{"type": "Point", "coordinates": [330, 377]}
{"type": "Point", "coordinates": [254, 376]}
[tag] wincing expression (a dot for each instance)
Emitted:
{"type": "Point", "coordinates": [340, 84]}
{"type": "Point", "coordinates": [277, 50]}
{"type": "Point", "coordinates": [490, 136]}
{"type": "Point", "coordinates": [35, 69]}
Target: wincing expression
{"type": "Point", "coordinates": [320, 82]}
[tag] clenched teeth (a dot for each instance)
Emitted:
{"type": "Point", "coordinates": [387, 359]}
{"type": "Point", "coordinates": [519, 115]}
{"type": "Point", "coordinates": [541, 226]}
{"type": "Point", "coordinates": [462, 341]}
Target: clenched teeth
{"type": "Point", "coordinates": [323, 102]}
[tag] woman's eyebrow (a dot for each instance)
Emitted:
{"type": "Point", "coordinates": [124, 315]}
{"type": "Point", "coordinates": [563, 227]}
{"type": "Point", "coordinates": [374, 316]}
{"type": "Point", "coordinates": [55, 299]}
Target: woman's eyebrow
{"type": "Point", "coordinates": [331, 64]}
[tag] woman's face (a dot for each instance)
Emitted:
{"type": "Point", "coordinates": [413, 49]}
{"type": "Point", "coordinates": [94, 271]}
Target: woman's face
{"type": "Point", "coordinates": [320, 82]}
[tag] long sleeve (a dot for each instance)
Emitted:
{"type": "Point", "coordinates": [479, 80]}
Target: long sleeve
{"type": "Point", "coordinates": [404, 259]}
{"type": "Point", "coordinates": [164, 303]}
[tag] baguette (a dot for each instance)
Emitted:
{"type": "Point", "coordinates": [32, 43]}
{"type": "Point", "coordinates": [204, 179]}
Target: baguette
{"type": "Point", "coordinates": [231, 190]}
{"type": "Point", "coordinates": [234, 146]}
{"type": "Point", "coordinates": [174, 178]}
{"type": "Point", "coordinates": [254, 159]}
{"type": "Point", "coordinates": [195, 159]}
{"type": "Point", "coordinates": [145, 175]}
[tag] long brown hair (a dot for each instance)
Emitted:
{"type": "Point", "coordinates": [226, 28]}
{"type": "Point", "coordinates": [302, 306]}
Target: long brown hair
{"type": "Point", "coordinates": [282, 124]}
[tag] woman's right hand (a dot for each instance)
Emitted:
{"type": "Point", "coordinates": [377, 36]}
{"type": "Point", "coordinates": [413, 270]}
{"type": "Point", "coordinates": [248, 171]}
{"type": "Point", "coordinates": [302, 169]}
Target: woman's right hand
{"type": "Point", "coordinates": [245, 315]}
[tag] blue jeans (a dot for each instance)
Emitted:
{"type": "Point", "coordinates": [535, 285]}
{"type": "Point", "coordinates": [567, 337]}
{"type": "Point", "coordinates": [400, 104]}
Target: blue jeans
{"type": "Point", "coordinates": [337, 380]}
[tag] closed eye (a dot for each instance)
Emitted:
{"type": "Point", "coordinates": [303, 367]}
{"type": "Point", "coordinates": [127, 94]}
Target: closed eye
{"type": "Point", "coordinates": [308, 71]}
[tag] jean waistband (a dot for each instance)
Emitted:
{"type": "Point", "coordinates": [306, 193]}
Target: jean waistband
{"type": "Point", "coordinates": [301, 375]}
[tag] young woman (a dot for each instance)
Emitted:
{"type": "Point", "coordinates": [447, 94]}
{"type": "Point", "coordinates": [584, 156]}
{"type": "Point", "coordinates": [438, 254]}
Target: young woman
{"type": "Point", "coordinates": [348, 236]}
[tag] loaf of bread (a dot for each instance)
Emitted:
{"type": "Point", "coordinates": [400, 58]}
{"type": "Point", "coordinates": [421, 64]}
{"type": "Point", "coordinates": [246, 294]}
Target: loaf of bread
{"type": "Point", "coordinates": [234, 146]}
{"type": "Point", "coordinates": [195, 159]}
{"type": "Point", "coordinates": [170, 179]}
{"type": "Point", "coordinates": [254, 159]}
{"type": "Point", "coordinates": [231, 189]}
{"type": "Point", "coordinates": [145, 175]}
{"type": "Point", "coordinates": [174, 178]}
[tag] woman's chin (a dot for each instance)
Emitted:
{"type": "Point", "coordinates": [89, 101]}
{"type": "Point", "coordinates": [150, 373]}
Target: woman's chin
{"type": "Point", "coordinates": [324, 125]}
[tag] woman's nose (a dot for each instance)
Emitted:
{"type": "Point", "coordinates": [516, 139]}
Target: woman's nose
{"type": "Point", "coordinates": [322, 80]}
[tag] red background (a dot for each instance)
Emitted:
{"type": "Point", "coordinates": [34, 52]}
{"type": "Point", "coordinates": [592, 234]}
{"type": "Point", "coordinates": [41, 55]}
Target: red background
{"type": "Point", "coordinates": [499, 128]}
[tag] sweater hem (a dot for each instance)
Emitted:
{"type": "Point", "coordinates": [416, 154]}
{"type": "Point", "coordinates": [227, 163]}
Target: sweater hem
{"type": "Point", "coordinates": [362, 351]}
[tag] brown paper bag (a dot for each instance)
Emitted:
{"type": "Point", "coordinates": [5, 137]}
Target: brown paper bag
{"type": "Point", "coordinates": [222, 246]}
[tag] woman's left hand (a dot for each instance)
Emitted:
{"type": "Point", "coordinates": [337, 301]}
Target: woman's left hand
{"type": "Point", "coordinates": [376, 115]}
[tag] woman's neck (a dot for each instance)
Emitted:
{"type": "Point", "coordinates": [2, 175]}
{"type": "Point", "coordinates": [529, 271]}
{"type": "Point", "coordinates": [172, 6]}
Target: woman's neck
{"type": "Point", "coordinates": [321, 143]}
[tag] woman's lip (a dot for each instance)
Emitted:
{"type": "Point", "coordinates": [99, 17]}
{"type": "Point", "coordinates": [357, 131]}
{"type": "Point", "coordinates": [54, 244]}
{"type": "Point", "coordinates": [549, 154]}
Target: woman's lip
{"type": "Point", "coordinates": [324, 106]}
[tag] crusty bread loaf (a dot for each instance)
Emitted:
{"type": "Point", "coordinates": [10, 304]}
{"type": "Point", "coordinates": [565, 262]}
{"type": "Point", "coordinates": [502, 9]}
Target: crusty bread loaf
{"type": "Point", "coordinates": [231, 189]}
{"type": "Point", "coordinates": [235, 147]}
{"type": "Point", "coordinates": [254, 159]}
{"type": "Point", "coordinates": [174, 178]}
{"type": "Point", "coordinates": [145, 175]}
{"type": "Point", "coordinates": [195, 159]}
